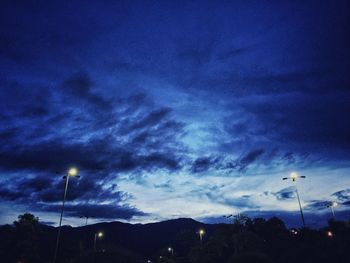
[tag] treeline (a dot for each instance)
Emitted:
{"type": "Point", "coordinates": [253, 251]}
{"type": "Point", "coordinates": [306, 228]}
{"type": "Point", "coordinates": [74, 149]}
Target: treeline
{"type": "Point", "coordinates": [245, 240]}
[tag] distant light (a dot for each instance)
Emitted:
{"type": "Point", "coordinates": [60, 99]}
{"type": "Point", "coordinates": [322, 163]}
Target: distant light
{"type": "Point", "coordinates": [329, 233]}
{"type": "Point", "coordinates": [73, 171]}
{"type": "Point", "coordinates": [201, 232]}
{"type": "Point", "coordinates": [169, 249]}
{"type": "Point", "coordinates": [294, 232]}
{"type": "Point", "coordinates": [100, 234]}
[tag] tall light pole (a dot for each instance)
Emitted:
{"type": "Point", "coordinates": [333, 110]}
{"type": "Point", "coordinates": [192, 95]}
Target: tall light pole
{"type": "Point", "coordinates": [97, 235]}
{"type": "Point", "coordinates": [331, 206]}
{"type": "Point", "coordinates": [171, 250]}
{"type": "Point", "coordinates": [294, 176]}
{"type": "Point", "coordinates": [72, 172]}
{"type": "Point", "coordinates": [201, 233]}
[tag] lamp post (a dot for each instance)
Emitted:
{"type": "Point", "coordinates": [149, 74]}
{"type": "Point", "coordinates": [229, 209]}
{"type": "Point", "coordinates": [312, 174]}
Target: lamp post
{"type": "Point", "coordinates": [97, 235]}
{"type": "Point", "coordinates": [171, 250]}
{"type": "Point", "coordinates": [201, 233]}
{"type": "Point", "coordinates": [331, 206]}
{"type": "Point", "coordinates": [72, 172]}
{"type": "Point", "coordinates": [294, 176]}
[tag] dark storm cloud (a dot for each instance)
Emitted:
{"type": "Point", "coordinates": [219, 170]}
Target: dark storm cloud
{"type": "Point", "coordinates": [343, 195]}
{"type": "Point", "coordinates": [107, 144]}
{"type": "Point", "coordinates": [297, 123]}
{"type": "Point", "coordinates": [242, 163]}
{"type": "Point", "coordinates": [7, 134]}
{"type": "Point", "coordinates": [317, 205]}
{"type": "Point", "coordinates": [41, 193]}
{"type": "Point", "coordinates": [80, 87]}
{"type": "Point", "coordinates": [153, 118]}
{"type": "Point", "coordinates": [250, 157]}
{"type": "Point", "coordinates": [204, 163]}
{"type": "Point", "coordinates": [103, 211]}
{"type": "Point", "coordinates": [285, 193]}
{"type": "Point", "coordinates": [48, 188]}
{"type": "Point", "coordinates": [53, 156]}
{"type": "Point", "coordinates": [88, 132]}
{"type": "Point", "coordinates": [253, 158]}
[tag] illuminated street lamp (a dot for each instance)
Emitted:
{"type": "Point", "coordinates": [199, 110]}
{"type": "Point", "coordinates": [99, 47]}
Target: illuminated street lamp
{"type": "Point", "coordinates": [171, 250]}
{"type": "Point", "coordinates": [294, 176]}
{"type": "Point", "coordinates": [201, 233]}
{"type": "Point", "coordinates": [329, 233]}
{"type": "Point", "coordinates": [97, 235]}
{"type": "Point", "coordinates": [72, 172]}
{"type": "Point", "coordinates": [331, 206]}
{"type": "Point", "coordinates": [294, 231]}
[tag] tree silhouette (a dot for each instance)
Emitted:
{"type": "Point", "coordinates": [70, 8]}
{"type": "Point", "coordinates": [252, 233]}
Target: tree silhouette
{"type": "Point", "coordinates": [27, 238]}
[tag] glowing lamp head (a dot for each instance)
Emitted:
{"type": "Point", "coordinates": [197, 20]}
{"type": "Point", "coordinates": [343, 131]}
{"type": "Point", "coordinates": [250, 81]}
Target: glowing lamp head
{"type": "Point", "coordinates": [329, 234]}
{"type": "Point", "coordinates": [169, 249]}
{"type": "Point", "coordinates": [334, 204]}
{"type": "Point", "coordinates": [100, 234]}
{"type": "Point", "coordinates": [294, 175]}
{"type": "Point", "coordinates": [73, 171]}
{"type": "Point", "coordinates": [201, 232]}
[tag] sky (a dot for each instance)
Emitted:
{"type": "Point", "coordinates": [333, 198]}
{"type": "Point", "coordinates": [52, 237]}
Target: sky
{"type": "Point", "coordinates": [174, 109]}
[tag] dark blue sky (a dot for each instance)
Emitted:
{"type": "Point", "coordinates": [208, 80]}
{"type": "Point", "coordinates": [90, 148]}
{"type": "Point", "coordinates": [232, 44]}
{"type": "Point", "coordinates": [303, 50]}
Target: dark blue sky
{"type": "Point", "coordinates": [174, 108]}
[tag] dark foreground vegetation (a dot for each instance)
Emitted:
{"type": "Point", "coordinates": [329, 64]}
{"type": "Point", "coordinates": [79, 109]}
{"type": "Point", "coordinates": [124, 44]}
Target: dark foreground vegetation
{"type": "Point", "coordinates": [176, 241]}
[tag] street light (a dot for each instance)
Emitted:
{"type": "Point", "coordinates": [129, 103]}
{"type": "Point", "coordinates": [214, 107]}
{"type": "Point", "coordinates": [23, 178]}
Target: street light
{"type": "Point", "coordinates": [294, 176]}
{"type": "Point", "coordinates": [72, 172]}
{"type": "Point", "coordinates": [331, 206]}
{"type": "Point", "coordinates": [201, 233]}
{"type": "Point", "coordinates": [329, 233]}
{"type": "Point", "coordinates": [294, 231]}
{"type": "Point", "coordinates": [171, 250]}
{"type": "Point", "coordinates": [97, 235]}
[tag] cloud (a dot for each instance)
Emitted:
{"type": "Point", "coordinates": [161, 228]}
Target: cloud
{"type": "Point", "coordinates": [102, 211]}
{"type": "Point", "coordinates": [80, 87]}
{"type": "Point", "coordinates": [90, 197]}
{"type": "Point", "coordinates": [102, 138]}
{"type": "Point", "coordinates": [318, 205]}
{"type": "Point", "coordinates": [243, 163]}
{"type": "Point", "coordinates": [132, 135]}
{"type": "Point", "coordinates": [202, 164]}
{"type": "Point", "coordinates": [343, 195]}
{"type": "Point", "coordinates": [285, 193]}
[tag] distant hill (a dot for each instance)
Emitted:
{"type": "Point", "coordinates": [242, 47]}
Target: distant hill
{"type": "Point", "coordinates": [144, 239]}
{"type": "Point", "coordinates": [245, 241]}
